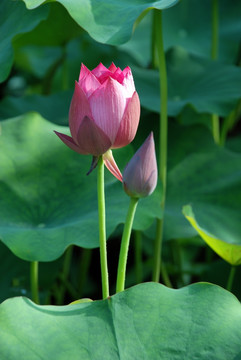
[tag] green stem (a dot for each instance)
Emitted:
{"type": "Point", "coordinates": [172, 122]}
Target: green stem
{"type": "Point", "coordinates": [125, 241]}
{"type": "Point", "coordinates": [230, 278]}
{"type": "Point", "coordinates": [229, 122]}
{"type": "Point", "coordinates": [102, 229]}
{"type": "Point", "coordinates": [216, 128]}
{"type": "Point", "coordinates": [153, 44]}
{"type": "Point", "coordinates": [165, 276]}
{"type": "Point", "coordinates": [34, 281]}
{"type": "Point", "coordinates": [214, 56]}
{"type": "Point", "coordinates": [163, 139]}
{"type": "Point", "coordinates": [157, 251]}
{"type": "Point", "coordinates": [67, 262]}
{"type": "Point", "coordinates": [138, 256]}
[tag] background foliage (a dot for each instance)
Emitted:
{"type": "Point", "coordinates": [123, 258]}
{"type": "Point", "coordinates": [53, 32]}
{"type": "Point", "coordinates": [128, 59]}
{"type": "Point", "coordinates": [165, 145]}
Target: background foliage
{"type": "Point", "coordinates": [48, 204]}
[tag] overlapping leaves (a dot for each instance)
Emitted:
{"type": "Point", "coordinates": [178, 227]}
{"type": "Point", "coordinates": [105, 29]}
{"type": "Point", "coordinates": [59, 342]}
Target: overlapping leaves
{"type": "Point", "coordinates": [110, 21]}
{"type": "Point", "coordinates": [208, 86]}
{"type": "Point", "coordinates": [47, 202]}
{"type": "Point", "coordinates": [188, 24]}
{"type": "Point", "coordinates": [210, 181]}
{"type": "Point", "coordinates": [15, 20]}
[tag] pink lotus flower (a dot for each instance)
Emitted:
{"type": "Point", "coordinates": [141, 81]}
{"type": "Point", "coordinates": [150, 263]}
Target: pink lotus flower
{"type": "Point", "coordinates": [104, 112]}
{"type": "Point", "coordinates": [140, 174]}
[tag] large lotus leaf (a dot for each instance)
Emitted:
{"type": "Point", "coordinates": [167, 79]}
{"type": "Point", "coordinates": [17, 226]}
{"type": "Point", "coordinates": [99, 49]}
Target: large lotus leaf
{"type": "Point", "coordinates": [211, 183]}
{"type": "Point", "coordinates": [149, 321]}
{"type": "Point", "coordinates": [208, 86]}
{"type": "Point", "coordinates": [109, 21]}
{"type": "Point", "coordinates": [15, 19]}
{"type": "Point", "coordinates": [226, 248]}
{"type": "Point", "coordinates": [46, 200]}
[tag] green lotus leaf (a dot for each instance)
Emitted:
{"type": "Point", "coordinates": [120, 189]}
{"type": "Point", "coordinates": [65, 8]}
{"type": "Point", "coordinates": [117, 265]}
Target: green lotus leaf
{"type": "Point", "coordinates": [109, 21]}
{"type": "Point", "coordinates": [81, 301]}
{"type": "Point", "coordinates": [230, 252]}
{"type": "Point", "coordinates": [149, 321]}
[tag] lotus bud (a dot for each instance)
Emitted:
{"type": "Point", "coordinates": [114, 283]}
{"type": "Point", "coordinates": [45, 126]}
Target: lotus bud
{"type": "Point", "coordinates": [140, 174]}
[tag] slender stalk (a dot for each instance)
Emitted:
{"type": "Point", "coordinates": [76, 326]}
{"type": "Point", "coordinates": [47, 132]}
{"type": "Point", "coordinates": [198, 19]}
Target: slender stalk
{"type": "Point", "coordinates": [229, 122]}
{"type": "Point", "coordinates": [165, 276]}
{"type": "Point", "coordinates": [125, 241]}
{"type": "Point", "coordinates": [216, 128]}
{"type": "Point", "coordinates": [67, 262]}
{"type": "Point", "coordinates": [163, 139]}
{"type": "Point", "coordinates": [230, 278]}
{"type": "Point", "coordinates": [153, 44]}
{"type": "Point", "coordinates": [138, 256]}
{"type": "Point", "coordinates": [102, 228]}
{"type": "Point", "coordinates": [157, 252]}
{"type": "Point", "coordinates": [34, 281]}
{"type": "Point", "coordinates": [214, 56]}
